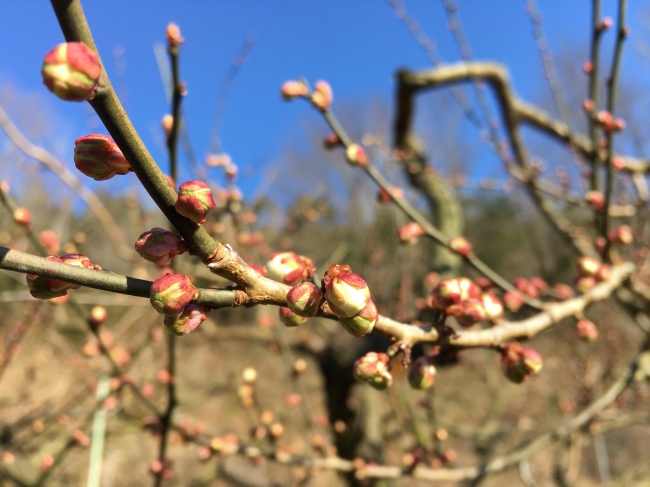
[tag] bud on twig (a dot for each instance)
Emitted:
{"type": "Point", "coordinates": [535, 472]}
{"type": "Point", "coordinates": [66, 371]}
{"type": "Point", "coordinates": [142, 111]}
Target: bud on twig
{"type": "Point", "coordinates": [195, 201]}
{"type": "Point", "coordinates": [347, 294]}
{"type": "Point", "coordinates": [170, 293]}
{"type": "Point", "coordinates": [519, 363]}
{"type": "Point", "coordinates": [173, 34]}
{"type": "Point", "coordinates": [422, 374]}
{"type": "Point", "coordinates": [23, 217]}
{"type": "Point", "coordinates": [98, 316]}
{"type": "Point", "coordinates": [461, 246]}
{"type": "Point", "coordinates": [293, 89]}
{"type": "Point", "coordinates": [289, 268]}
{"type": "Point", "coordinates": [621, 235]}
{"type": "Point", "coordinates": [322, 95]}
{"type": "Point", "coordinates": [410, 233]}
{"type": "Point", "coordinates": [289, 318]}
{"type": "Point", "coordinates": [188, 320]}
{"type": "Point", "coordinates": [98, 156]}
{"type": "Point", "coordinates": [363, 322]}
{"type": "Point", "coordinates": [304, 299]}
{"type": "Point", "coordinates": [373, 369]}
{"type": "Point", "coordinates": [71, 71]}
{"type": "Point", "coordinates": [160, 246]}
{"type": "Point", "coordinates": [586, 330]}
{"type": "Point", "coordinates": [356, 155]}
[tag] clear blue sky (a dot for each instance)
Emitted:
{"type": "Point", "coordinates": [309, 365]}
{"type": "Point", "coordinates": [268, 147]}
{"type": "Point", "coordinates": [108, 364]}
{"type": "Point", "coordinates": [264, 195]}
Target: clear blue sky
{"type": "Point", "coordinates": [355, 44]}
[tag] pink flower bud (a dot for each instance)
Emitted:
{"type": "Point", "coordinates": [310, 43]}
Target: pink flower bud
{"type": "Point", "coordinates": [50, 241]}
{"type": "Point", "coordinates": [588, 105]}
{"type": "Point", "coordinates": [167, 125]}
{"type": "Point", "coordinates": [332, 141]}
{"type": "Point", "coordinates": [373, 369]}
{"type": "Point", "coordinates": [347, 294]}
{"type": "Point", "coordinates": [596, 200]}
{"type": "Point", "coordinates": [603, 273]}
{"type": "Point", "coordinates": [587, 330]}
{"type": "Point", "coordinates": [98, 316]}
{"type": "Point", "coordinates": [446, 293]}
{"type": "Point", "coordinates": [23, 217]}
{"type": "Point", "coordinates": [621, 235]}
{"type": "Point", "coordinates": [289, 268]}
{"type": "Point", "coordinates": [293, 89]}
{"type": "Point", "coordinates": [484, 283]}
{"type": "Point", "coordinates": [513, 301]}
{"type": "Point", "coordinates": [563, 291]}
{"type": "Point", "coordinates": [519, 363]}
{"type": "Point", "coordinates": [195, 201]}
{"type": "Point", "coordinates": [188, 320]}
{"type": "Point", "coordinates": [604, 118]}
{"type": "Point", "coordinates": [410, 233]}
{"type": "Point", "coordinates": [588, 67]}
{"type": "Point", "coordinates": [46, 288]}
{"type": "Point", "coordinates": [384, 197]}
{"type": "Point", "coordinates": [289, 318]}
{"type": "Point", "coordinates": [468, 289]}
{"type": "Point", "coordinates": [71, 71]}
{"type": "Point", "coordinates": [79, 260]}
{"type": "Point", "coordinates": [160, 246]}
{"type": "Point", "coordinates": [618, 163]}
{"type": "Point", "coordinates": [605, 24]}
{"type": "Point", "coordinates": [422, 373]}
{"type": "Point", "coordinates": [322, 95]}
{"type": "Point", "coordinates": [461, 246]}
{"type": "Point", "coordinates": [98, 156]}
{"type": "Point", "coordinates": [585, 284]}
{"type": "Point", "coordinates": [173, 34]}
{"type": "Point", "coordinates": [492, 306]}
{"type": "Point", "coordinates": [363, 322]}
{"type": "Point", "coordinates": [356, 155]}
{"type": "Point", "coordinates": [304, 299]}
{"type": "Point", "coordinates": [587, 266]}
{"type": "Point", "coordinates": [170, 293]}
{"type": "Point", "coordinates": [524, 286]}
{"type": "Point", "coordinates": [468, 312]}
{"type": "Point", "coordinates": [617, 125]}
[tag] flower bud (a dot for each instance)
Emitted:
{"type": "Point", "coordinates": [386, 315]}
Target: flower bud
{"type": "Point", "coordinates": [46, 288]}
{"type": "Point", "coordinates": [373, 369]}
{"type": "Point", "coordinates": [587, 266]}
{"type": "Point", "coordinates": [588, 105]}
{"type": "Point", "coordinates": [524, 286]}
{"type": "Point", "coordinates": [586, 330]}
{"type": "Point", "coordinates": [461, 246]}
{"type": "Point", "coordinates": [422, 373]}
{"type": "Point", "coordinates": [563, 291]}
{"type": "Point", "coordinates": [346, 292]}
{"type": "Point", "coordinates": [167, 125]}
{"type": "Point", "coordinates": [79, 260]}
{"type": "Point", "coordinates": [468, 289]}
{"type": "Point", "coordinates": [173, 34]}
{"type": "Point", "coordinates": [98, 316]}
{"type": "Point", "coordinates": [492, 306]}
{"type": "Point", "coordinates": [322, 95]}
{"type": "Point", "coordinates": [160, 246]}
{"type": "Point", "coordinates": [289, 268]}
{"type": "Point", "coordinates": [304, 299]}
{"type": "Point", "coordinates": [23, 217]}
{"type": "Point", "coordinates": [71, 71]}
{"type": "Point", "coordinates": [603, 273]}
{"type": "Point", "coordinates": [621, 235]}
{"type": "Point", "coordinates": [513, 301]}
{"type": "Point", "coordinates": [519, 363]}
{"type": "Point", "coordinates": [410, 233]}
{"type": "Point", "coordinates": [170, 293]}
{"type": "Point", "coordinates": [50, 241]}
{"type": "Point", "coordinates": [538, 283]}
{"type": "Point", "coordinates": [468, 312]}
{"type": "Point", "coordinates": [195, 201]}
{"type": "Point", "coordinates": [293, 89]}
{"type": "Point", "coordinates": [188, 320]}
{"type": "Point", "coordinates": [588, 67]}
{"type": "Point", "coordinates": [446, 293]}
{"type": "Point", "coordinates": [362, 323]}
{"type": "Point", "coordinates": [289, 318]}
{"type": "Point", "coordinates": [385, 197]}
{"type": "Point", "coordinates": [596, 200]}
{"type": "Point", "coordinates": [332, 141]}
{"type": "Point", "coordinates": [585, 284]}
{"type": "Point", "coordinates": [356, 155]}
{"type": "Point", "coordinates": [98, 156]}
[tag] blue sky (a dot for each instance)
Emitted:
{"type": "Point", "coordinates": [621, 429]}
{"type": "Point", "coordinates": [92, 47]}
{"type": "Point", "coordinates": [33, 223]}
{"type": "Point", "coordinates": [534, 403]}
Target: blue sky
{"type": "Point", "coordinates": [355, 44]}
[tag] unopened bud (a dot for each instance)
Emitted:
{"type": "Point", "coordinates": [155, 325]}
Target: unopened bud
{"type": "Point", "coordinates": [563, 291]}
{"type": "Point", "coordinates": [596, 200]}
{"type": "Point", "coordinates": [588, 105]}
{"type": "Point", "coordinates": [605, 24]}
{"type": "Point", "coordinates": [587, 266]}
{"type": "Point", "coordinates": [422, 373]}
{"type": "Point", "coordinates": [322, 95]}
{"type": "Point", "coordinates": [585, 284]}
{"type": "Point", "coordinates": [588, 67]}
{"type": "Point", "coordinates": [289, 318]}
{"type": "Point", "coordinates": [98, 316]}
{"type": "Point", "coordinates": [194, 201]}
{"type": "Point", "coordinates": [98, 156]}
{"type": "Point", "coordinates": [46, 288]}
{"type": "Point", "coordinates": [468, 312]}
{"type": "Point", "coordinates": [71, 71]}
{"type": "Point", "coordinates": [492, 306]}
{"type": "Point", "coordinates": [513, 301]}
{"type": "Point", "coordinates": [587, 330]}
{"type": "Point", "coordinates": [50, 241]}
{"type": "Point", "coordinates": [332, 141]}
{"type": "Point", "coordinates": [160, 246]}
{"type": "Point", "coordinates": [603, 273]}
{"type": "Point", "coordinates": [621, 235]}
{"type": "Point", "coordinates": [23, 217]}
{"type": "Point", "coordinates": [167, 125]}
{"type": "Point", "coordinates": [410, 233]}
{"type": "Point", "coordinates": [356, 155]}
{"type": "Point", "coordinates": [188, 320]}
{"type": "Point", "coordinates": [289, 268]}
{"type": "Point", "coordinates": [346, 292]}
{"type": "Point", "coordinates": [173, 34]}
{"type": "Point", "coordinates": [304, 299]}
{"type": "Point", "coordinates": [373, 369]}
{"type": "Point", "coordinates": [461, 245]}
{"type": "Point", "coordinates": [293, 89]}
{"type": "Point", "coordinates": [170, 293]}
{"type": "Point", "coordinates": [363, 322]}
{"type": "Point", "coordinates": [384, 196]}
{"type": "Point", "coordinates": [519, 363]}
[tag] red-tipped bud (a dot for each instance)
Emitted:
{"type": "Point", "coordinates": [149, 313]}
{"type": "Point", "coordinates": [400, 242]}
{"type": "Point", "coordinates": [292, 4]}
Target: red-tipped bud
{"type": "Point", "coordinates": [538, 283]}
{"type": "Point", "coordinates": [173, 34]}
{"type": "Point", "coordinates": [484, 283]}
{"type": "Point", "coordinates": [410, 233]}
{"type": "Point", "coordinates": [170, 293]}
{"type": "Point", "coordinates": [23, 217]}
{"type": "Point", "coordinates": [603, 273]}
{"type": "Point", "coordinates": [160, 246]}
{"type": "Point", "coordinates": [587, 266]}
{"type": "Point", "coordinates": [50, 241]}
{"type": "Point", "coordinates": [621, 235]}
{"type": "Point", "coordinates": [289, 268]}
{"type": "Point", "coordinates": [605, 24]}
{"type": "Point", "coordinates": [293, 89]}
{"type": "Point", "coordinates": [188, 320]}
{"type": "Point", "coordinates": [617, 125]}
{"type": "Point", "coordinates": [468, 312]}
{"type": "Point", "coordinates": [79, 260]}
{"type": "Point", "coordinates": [384, 196]}
{"type": "Point", "coordinates": [289, 318]}
{"type": "Point", "coordinates": [519, 363]}
{"type": "Point", "coordinates": [563, 291]}
{"type": "Point", "coordinates": [596, 200]}
{"type": "Point", "coordinates": [322, 96]}
{"type": "Point", "coordinates": [585, 284]}
{"type": "Point", "coordinates": [604, 118]}
{"type": "Point", "coordinates": [461, 246]}
{"type": "Point", "coordinates": [195, 201]}
{"type": "Point", "coordinates": [98, 156]}
{"type": "Point", "coordinates": [492, 306]}
{"type": "Point", "coordinates": [373, 369]}
{"type": "Point", "coordinates": [446, 293]}
{"type": "Point", "coordinates": [98, 316]}
{"type": "Point", "coordinates": [618, 163]}
{"type": "Point", "coordinates": [332, 141]}
{"type": "Point", "coordinates": [347, 294]}
{"type": "Point", "coordinates": [422, 374]}
{"type": "Point", "coordinates": [587, 330]}
{"type": "Point", "coordinates": [363, 322]}
{"type": "Point", "coordinates": [71, 71]}
{"type": "Point", "coordinates": [588, 67]}
{"type": "Point", "coordinates": [524, 286]}
{"type": "Point", "coordinates": [46, 288]}
{"type": "Point", "coordinates": [356, 155]}
{"type": "Point", "coordinates": [513, 301]}
{"type": "Point", "coordinates": [304, 299]}
{"type": "Point", "coordinates": [588, 105]}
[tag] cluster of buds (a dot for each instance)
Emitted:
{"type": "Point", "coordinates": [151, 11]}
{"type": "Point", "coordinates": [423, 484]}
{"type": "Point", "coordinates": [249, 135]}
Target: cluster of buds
{"type": "Point", "coordinates": [356, 156]}
{"type": "Point", "coordinates": [410, 233]}
{"type": "Point", "coordinates": [289, 268]}
{"type": "Point", "coordinates": [461, 246]}
{"type": "Point", "coordinates": [607, 121]}
{"type": "Point", "coordinates": [170, 293]}
{"type": "Point", "coordinates": [621, 235]}
{"type": "Point", "coordinates": [466, 301]}
{"type": "Point", "coordinates": [98, 156]}
{"type": "Point", "coordinates": [194, 201]}
{"type": "Point", "coordinates": [160, 246]}
{"type": "Point", "coordinates": [47, 288]}
{"type": "Point", "coordinates": [519, 363]}
{"type": "Point", "coordinates": [322, 96]}
{"type": "Point", "coordinates": [71, 71]}
{"type": "Point", "coordinates": [293, 89]}
{"type": "Point", "coordinates": [422, 373]}
{"type": "Point", "coordinates": [187, 320]}
{"type": "Point", "coordinates": [348, 297]}
{"type": "Point", "coordinates": [373, 368]}
{"type": "Point", "coordinates": [586, 329]}
{"type": "Point", "coordinates": [590, 271]}
{"type": "Point", "coordinates": [304, 299]}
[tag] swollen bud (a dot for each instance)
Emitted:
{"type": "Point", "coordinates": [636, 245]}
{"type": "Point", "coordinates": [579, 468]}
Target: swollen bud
{"type": "Point", "coordinates": [410, 233]}
{"type": "Point", "coordinates": [322, 95]}
{"type": "Point", "coordinates": [170, 293]}
{"type": "Point", "coordinates": [160, 246]}
{"type": "Point", "coordinates": [289, 318]}
{"type": "Point", "coordinates": [22, 217]}
{"type": "Point", "coordinates": [188, 320]}
{"type": "Point", "coordinates": [98, 156]}
{"type": "Point", "coordinates": [513, 301]}
{"type": "Point", "coordinates": [362, 323]}
{"type": "Point", "coordinates": [596, 200]}
{"type": "Point", "coordinates": [347, 294]}
{"type": "Point", "coordinates": [492, 306]}
{"type": "Point", "coordinates": [468, 312]}
{"type": "Point", "coordinates": [98, 316]}
{"type": "Point", "coordinates": [519, 363]}
{"type": "Point", "coordinates": [289, 268]}
{"type": "Point", "coordinates": [587, 266]}
{"type": "Point", "coordinates": [46, 288]}
{"type": "Point", "coordinates": [194, 201]}
{"type": "Point", "coordinates": [587, 330]}
{"type": "Point", "coordinates": [293, 89]}
{"type": "Point", "coordinates": [461, 246]}
{"type": "Point", "coordinates": [173, 34]}
{"type": "Point", "coordinates": [621, 235]}
{"type": "Point", "coordinates": [372, 368]}
{"type": "Point", "coordinates": [304, 299]}
{"type": "Point", "coordinates": [356, 155]}
{"type": "Point", "coordinates": [422, 374]}
{"type": "Point", "coordinates": [71, 71]}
